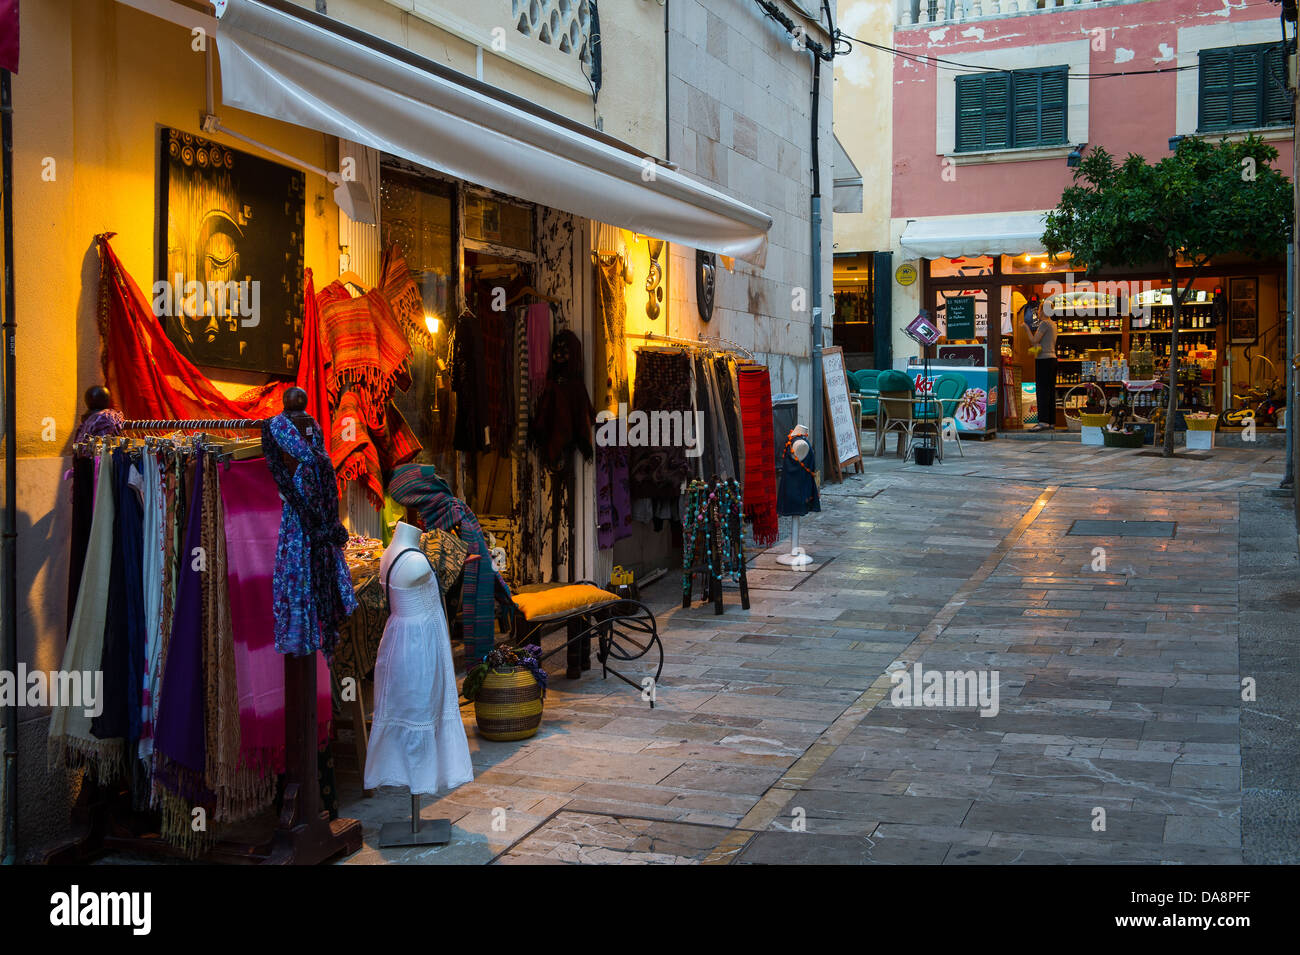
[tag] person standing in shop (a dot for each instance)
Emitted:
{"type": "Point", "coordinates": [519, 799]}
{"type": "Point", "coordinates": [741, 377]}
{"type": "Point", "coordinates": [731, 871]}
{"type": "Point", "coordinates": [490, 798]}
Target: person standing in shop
{"type": "Point", "coordinates": [1044, 336]}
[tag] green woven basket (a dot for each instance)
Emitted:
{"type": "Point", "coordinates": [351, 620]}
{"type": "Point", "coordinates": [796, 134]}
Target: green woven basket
{"type": "Point", "coordinates": [1117, 439]}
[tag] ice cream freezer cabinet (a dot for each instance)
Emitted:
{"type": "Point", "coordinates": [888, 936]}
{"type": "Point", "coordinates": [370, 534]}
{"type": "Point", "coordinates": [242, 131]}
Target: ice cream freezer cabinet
{"type": "Point", "coordinates": [977, 410]}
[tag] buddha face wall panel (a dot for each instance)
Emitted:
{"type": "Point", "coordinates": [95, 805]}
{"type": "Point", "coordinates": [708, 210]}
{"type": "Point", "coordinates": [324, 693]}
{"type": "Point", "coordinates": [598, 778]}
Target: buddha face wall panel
{"type": "Point", "coordinates": [230, 259]}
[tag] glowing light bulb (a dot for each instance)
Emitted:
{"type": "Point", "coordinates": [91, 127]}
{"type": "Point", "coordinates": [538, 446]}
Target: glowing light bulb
{"type": "Point", "coordinates": [431, 323]}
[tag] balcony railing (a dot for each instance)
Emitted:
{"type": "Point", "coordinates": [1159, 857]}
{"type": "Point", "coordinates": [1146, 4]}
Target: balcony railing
{"type": "Point", "coordinates": [924, 12]}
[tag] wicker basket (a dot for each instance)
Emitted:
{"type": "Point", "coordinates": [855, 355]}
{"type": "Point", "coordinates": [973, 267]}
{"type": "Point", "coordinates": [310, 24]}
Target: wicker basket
{"type": "Point", "coordinates": [1201, 424]}
{"type": "Point", "coordinates": [1118, 439]}
{"type": "Point", "coordinates": [1094, 420]}
{"type": "Point", "coordinates": [508, 705]}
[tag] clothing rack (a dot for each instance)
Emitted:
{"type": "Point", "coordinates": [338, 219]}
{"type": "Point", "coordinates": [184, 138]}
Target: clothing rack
{"type": "Point", "coordinates": [723, 344]}
{"type": "Point", "coordinates": [304, 833]}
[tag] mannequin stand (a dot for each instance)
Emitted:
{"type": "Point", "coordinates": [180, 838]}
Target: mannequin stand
{"type": "Point", "coordinates": [416, 832]}
{"type": "Point", "coordinates": [798, 557]}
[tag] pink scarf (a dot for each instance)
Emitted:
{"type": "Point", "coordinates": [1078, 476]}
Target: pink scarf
{"type": "Point", "coordinates": [252, 527]}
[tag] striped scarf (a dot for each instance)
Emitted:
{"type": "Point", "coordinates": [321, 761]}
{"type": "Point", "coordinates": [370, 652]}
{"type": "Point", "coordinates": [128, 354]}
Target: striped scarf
{"type": "Point", "coordinates": [420, 487]}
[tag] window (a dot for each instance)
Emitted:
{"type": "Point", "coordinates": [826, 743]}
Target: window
{"type": "Point", "coordinates": [1011, 109]}
{"type": "Point", "coordinates": [1243, 87]}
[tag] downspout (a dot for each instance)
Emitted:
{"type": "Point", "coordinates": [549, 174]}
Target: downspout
{"type": "Point", "coordinates": [668, 77]}
{"type": "Point", "coordinates": [9, 603]}
{"type": "Point", "coordinates": [816, 295]}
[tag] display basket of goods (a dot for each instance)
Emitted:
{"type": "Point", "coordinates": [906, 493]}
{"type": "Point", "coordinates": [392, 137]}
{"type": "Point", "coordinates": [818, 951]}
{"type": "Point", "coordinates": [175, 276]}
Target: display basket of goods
{"type": "Point", "coordinates": [507, 690]}
{"type": "Point", "coordinates": [1090, 420]}
{"type": "Point", "coordinates": [1200, 430]}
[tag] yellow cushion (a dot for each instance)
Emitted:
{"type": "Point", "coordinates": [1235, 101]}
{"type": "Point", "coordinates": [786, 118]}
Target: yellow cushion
{"type": "Point", "coordinates": [559, 601]}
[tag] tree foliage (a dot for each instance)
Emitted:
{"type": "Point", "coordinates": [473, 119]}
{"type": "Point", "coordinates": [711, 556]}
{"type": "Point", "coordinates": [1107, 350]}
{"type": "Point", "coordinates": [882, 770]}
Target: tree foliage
{"type": "Point", "coordinates": [1205, 200]}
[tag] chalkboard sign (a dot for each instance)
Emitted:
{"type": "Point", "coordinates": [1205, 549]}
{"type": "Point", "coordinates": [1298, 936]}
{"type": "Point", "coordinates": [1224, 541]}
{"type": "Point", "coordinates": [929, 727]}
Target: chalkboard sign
{"type": "Point", "coordinates": [960, 313]}
{"type": "Point", "coordinates": [841, 429]}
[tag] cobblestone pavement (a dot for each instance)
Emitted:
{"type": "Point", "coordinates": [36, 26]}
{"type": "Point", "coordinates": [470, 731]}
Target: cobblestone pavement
{"type": "Point", "coordinates": [775, 737]}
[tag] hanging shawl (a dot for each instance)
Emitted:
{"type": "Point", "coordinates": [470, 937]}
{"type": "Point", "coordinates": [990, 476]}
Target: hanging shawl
{"type": "Point", "coordinates": [404, 298]}
{"type": "Point", "coordinates": [150, 379]}
{"type": "Point", "coordinates": [755, 389]}
{"type": "Point", "coordinates": [70, 741]}
{"type": "Point", "coordinates": [420, 487]}
{"type": "Point", "coordinates": [367, 350]}
{"type": "Point", "coordinates": [564, 417]}
{"type": "Point", "coordinates": [312, 588]}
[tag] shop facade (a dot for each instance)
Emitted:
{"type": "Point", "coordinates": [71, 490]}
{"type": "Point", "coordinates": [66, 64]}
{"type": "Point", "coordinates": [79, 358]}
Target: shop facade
{"type": "Point", "coordinates": [473, 244]}
{"type": "Point", "coordinates": [984, 147]}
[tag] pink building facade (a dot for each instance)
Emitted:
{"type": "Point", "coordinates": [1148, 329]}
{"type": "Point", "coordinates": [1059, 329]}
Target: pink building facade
{"type": "Point", "coordinates": [975, 166]}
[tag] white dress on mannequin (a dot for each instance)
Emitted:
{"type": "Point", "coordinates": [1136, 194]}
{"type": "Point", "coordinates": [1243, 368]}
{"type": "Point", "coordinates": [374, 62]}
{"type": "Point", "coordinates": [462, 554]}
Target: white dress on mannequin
{"type": "Point", "coordinates": [417, 739]}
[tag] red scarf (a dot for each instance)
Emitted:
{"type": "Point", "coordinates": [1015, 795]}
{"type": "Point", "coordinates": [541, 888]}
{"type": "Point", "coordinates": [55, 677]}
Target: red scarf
{"type": "Point", "coordinates": [151, 380]}
{"type": "Point", "coordinates": [755, 389]}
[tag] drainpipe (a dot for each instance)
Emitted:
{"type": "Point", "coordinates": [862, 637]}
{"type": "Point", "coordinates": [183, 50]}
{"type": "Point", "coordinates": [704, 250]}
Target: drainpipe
{"type": "Point", "coordinates": [1288, 340]}
{"type": "Point", "coordinates": [9, 603]}
{"type": "Point", "coordinates": [816, 295]}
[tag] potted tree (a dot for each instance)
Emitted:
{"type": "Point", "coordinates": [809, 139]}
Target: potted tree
{"type": "Point", "coordinates": [1206, 200]}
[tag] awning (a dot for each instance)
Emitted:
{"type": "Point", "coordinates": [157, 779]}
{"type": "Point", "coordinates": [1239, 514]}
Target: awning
{"type": "Point", "coordinates": [294, 65]}
{"type": "Point", "coordinates": [947, 237]}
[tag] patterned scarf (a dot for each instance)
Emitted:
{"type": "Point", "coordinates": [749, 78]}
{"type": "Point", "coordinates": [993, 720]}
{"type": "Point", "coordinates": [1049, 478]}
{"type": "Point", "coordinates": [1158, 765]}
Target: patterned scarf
{"type": "Point", "coordinates": [312, 587]}
{"type": "Point", "coordinates": [365, 348]}
{"type": "Point", "coordinates": [420, 487]}
{"type": "Point", "coordinates": [755, 389]}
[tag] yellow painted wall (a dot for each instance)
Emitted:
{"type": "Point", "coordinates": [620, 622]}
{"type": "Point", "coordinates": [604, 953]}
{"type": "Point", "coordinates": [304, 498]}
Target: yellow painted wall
{"type": "Point", "coordinates": [864, 124]}
{"type": "Point", "coordinates": [97, 81]}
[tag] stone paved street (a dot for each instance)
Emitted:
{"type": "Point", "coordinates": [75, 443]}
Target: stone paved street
{"type": "Point", "coordinates": [1120, 726]}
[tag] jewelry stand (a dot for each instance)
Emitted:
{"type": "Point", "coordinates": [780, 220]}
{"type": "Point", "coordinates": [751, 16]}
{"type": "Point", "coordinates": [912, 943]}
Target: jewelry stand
{"type": "Point", "coordinates": [417, 832]}
{"type": "Point", "coordinates": [797, 557]}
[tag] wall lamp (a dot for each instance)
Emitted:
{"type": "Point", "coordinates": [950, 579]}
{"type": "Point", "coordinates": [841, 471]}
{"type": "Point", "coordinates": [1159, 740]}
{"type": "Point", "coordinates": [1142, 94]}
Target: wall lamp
{"type": "Point", "coordinates": [1076, 155]}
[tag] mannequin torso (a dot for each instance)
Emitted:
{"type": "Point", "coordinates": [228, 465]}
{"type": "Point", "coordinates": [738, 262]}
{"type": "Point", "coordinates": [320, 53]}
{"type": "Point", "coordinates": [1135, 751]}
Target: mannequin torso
{"type": "Point", "coordinates": [413, 570]}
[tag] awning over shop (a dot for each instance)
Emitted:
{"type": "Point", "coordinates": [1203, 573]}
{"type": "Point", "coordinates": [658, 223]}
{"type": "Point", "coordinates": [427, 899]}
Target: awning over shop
{"type": "Point", "coordinates": [293, 65]}
{"type": "Point", "coordinates": [946, 237]}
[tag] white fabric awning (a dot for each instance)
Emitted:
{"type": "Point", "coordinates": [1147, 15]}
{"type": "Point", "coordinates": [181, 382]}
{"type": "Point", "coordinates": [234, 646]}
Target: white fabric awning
{"type": "Point", "coordinates": [294, 65]}
{"type": "Point", "coordinates": [946, 237]}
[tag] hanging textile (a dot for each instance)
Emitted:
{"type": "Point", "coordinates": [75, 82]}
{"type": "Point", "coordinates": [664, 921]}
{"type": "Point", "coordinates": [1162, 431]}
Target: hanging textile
{"type": "Point", "coordinates": [611, 306]}
{"type": "Point", "coordinates": [313, 591]}
{"type": "Point", "coordinates": [179, 734]}
{"type": "Point", "coordinates": [404, 297]}
{"type": "Point", "coordinates": [153, 501]}
{"type": "Point", "coordinates": [420, 487]}
{"type": "Point", "coordinates": [663, 383]}
{"type": "Point", "coordinates": [538, 322]}
{"type": "Point", "coordinates": [564, 417]}
{"type": "Point", "coordinates": [71, 743]}
{"type": "Point", "coordinates": [725, 375]}
{"type": "Point", "coordinates": [252, 506]}
{"type": "Point", "coordinates": [364, 347]}
{"type": "Point", "coordinates": [755, 390]}
{"type": "Point", "coordinates": [469, 382]}
{"type": "Point", "coordinates": [498, 342]}
{"type": "Point", "coordinates": [122, 659]}
{"type": "Point", "coordinates": [150, 379]}
{"type": "Point", "coordinates": [83, 498]}
{"type": "Point", "coordinates": [613, 502]}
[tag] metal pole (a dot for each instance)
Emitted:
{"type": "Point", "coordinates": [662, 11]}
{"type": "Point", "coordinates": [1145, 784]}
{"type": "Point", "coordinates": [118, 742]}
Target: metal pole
{"type": "Point", "coordinates": [9, 603]}
{"type": "Point", "coordinates": [816, 428]}
{"type": "Point", "coordinates": [1289, 349]}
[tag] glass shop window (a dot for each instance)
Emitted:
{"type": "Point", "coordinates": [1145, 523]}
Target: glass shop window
{"type": "Point", "coordinates": [499, 223]}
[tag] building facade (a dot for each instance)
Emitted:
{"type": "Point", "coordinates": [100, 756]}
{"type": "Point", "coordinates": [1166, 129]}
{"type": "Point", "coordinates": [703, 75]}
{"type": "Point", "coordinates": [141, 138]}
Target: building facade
{"type": "Point", "coordinates": [989, 101]}
{"type": "Point", "coordinates": [710, 103]}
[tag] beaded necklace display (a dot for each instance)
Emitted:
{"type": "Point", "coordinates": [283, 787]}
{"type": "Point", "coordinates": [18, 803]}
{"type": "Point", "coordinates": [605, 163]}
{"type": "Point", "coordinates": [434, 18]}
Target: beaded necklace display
{"type": "Point", "coordinates": [712, 518]}
{"type": "Point", "coordinates": [789, 442]}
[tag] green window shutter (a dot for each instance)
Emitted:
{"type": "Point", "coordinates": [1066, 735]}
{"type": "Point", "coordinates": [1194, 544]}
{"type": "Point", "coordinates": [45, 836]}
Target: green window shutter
{"type": "Point", "coordinates": [997, 107]}
{"type": "Point", "coordinates": [1216, 80]}
{"type": "Point", "coordinates": [1053, 98]}
{"type": "Point", "coordinates": [1277, 99]}
{"type": "Point", "coordinates": [1025, 88]}
{"type": "Point", "coordinates": [970, 112]}
{"type": "Point", "coordinates": [1243, 101]}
